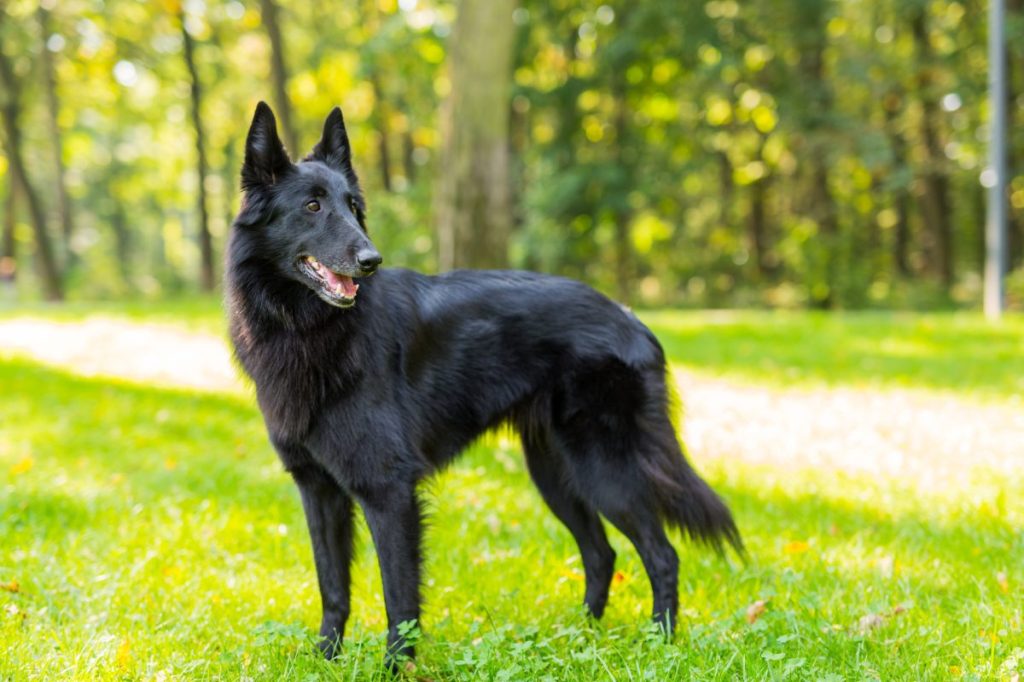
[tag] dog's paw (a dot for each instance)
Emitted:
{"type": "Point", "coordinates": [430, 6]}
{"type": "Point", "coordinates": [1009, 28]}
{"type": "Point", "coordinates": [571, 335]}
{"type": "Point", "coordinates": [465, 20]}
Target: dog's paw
{"type": "Point", "coordinates": [330, 647]}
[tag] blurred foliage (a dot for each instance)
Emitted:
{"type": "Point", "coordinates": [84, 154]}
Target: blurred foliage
{"type": "Point", "coordinates": [790, 153]}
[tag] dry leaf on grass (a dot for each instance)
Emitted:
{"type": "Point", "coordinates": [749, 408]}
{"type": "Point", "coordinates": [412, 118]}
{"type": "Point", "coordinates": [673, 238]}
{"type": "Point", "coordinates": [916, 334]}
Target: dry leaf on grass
{"type": "Point", "coordinates": [1003, 582]}
{"type": "Point", "coordinates": [795, 547]}
{"type": "Point", "coordinates": [12, 586]}
{"type": "Point", "coordinates": [22, 466]}
{"type": "Point", "coordinates": [870, 622]}
{"type": "Point", "coordinates": [124, 653]}
{"type": "Point", "coordinates": [755, 610]}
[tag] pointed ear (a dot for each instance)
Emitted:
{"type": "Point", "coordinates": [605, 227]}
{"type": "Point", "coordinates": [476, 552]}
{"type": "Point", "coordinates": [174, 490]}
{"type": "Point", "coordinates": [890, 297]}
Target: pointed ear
{"type": "Point", "coordinates": [333, 147]}
{"type": "Point", "coordinates": [266, 160]}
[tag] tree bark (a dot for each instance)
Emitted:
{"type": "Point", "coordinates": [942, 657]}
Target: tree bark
{"type": "Point", "coordinates": [8, 245]}
{"type": "Point", "coordinates": [64, 209]}
{"type": "Point", "coordinates": [759, 222]}
{"type": "Point", "coordinates": [207, 276]}
{"type": "Point", "coordinates": [408, 158]}
{"type": "Point", "coordinates": [812, 42]}
{"type": "Point", "coordinates": [49, 274]}
{"type": "Point", "coordinates": [622, 210]}
{"type": "Point", "coordinates": [935, 199]}
{"type": "Point", "coordinates": [1015, 159]}
{"type": "Point", "coordinates": [473, 212]}
{"type": "Point", "coordinates": [279, 75]}
{"type": "Point", "coordinates": [901, 198]}
{"type": "Point", "coordinates": [122, 242]}
{"type": "Point", "coordinates": [380, 119]}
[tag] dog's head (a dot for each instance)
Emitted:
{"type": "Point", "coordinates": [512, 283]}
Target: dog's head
{"type": "Point", "coordinates": [310, 216]}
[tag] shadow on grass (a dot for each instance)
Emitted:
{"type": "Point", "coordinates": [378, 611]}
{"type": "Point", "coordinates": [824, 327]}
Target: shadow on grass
{"type": "Point", "coordinates": [125, 443]}
{"type": "Point", "coordinates": [124, 439]}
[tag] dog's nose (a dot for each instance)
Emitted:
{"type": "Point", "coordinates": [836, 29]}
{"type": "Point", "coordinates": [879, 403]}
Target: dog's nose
{"type": "Point", "coordinates": [368, 260]}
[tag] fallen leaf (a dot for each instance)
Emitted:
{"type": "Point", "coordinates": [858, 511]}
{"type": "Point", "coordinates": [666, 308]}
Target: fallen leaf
{"type": "Point", "coordinates": [12, 586]}
{"type": "Point", "coordinates": [755, 610]}
{"type": "Point", "coordinates": [22, 466]}
{"type": "Point", "coordinates": [124, 653]}
{"type": "Point", "coordinates": [870, 622]}
{"type": "Point", "coordinates": [795, 547]}
{"type": "Point", "coordinates": [1003, 582]}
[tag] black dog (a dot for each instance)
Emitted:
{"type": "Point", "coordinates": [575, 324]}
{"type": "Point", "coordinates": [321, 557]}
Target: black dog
{"type": "Point", "coordinates": [364, 396]}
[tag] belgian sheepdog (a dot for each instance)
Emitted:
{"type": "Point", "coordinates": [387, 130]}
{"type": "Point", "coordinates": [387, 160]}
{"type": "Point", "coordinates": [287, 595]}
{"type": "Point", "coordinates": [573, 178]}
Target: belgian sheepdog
{"type": "Point", "coordinates": [368, 384]}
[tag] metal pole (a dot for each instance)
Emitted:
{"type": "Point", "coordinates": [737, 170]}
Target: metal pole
{"type": "Point", "coordinates": [995, 180]}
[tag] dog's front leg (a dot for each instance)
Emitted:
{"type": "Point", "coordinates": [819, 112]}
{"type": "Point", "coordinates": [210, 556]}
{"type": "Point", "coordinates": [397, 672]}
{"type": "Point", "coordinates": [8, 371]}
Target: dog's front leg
{"type": "Point", "coordinates": [329, 518]}
{"type": "Point", "coordinates": [393, 516]}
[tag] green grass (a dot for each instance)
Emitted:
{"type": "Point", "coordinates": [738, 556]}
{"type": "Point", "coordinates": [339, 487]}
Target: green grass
{"type": "Point", "coordinates": [152, 534]}
{"type": "Point", "coordinates": [948, 351]}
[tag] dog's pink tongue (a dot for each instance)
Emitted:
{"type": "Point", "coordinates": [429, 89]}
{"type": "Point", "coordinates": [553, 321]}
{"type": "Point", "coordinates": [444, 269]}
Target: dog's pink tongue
{"type": "Point", "coordinates": [341, 283]}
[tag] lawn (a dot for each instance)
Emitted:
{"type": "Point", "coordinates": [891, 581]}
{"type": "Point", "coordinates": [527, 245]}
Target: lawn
{"type": "Point", "coordinates": [150, 534]}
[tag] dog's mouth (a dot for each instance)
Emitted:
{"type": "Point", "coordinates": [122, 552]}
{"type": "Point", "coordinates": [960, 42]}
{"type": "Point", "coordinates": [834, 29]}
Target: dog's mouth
{"type": "Point", "coordinates": [334, 288]}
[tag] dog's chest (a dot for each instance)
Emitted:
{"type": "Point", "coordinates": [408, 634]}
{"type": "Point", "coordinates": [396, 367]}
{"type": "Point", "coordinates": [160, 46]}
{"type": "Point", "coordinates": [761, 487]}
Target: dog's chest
{"type": "Point", "coordinates": [297, 377]}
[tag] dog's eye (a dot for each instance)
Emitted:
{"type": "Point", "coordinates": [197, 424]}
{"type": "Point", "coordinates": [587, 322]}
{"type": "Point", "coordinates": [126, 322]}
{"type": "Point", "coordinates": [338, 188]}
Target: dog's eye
{"type": "Point", "coordinates": [353, 206]}
{"type": "Point", "coordinates": [313, 206]}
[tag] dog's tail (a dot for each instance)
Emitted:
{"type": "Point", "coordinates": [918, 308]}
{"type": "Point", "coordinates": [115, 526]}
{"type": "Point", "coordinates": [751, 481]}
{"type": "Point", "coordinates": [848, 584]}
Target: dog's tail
{"type": "Point", "coordinates": [687, 502]}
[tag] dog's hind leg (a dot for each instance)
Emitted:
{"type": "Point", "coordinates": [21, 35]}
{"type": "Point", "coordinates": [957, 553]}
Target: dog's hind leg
{"type": "Point", "coordinates": [329, 518]}
{"type": "Point", "coordinates": [585, 525]}
{"type": "Point", "coordinates": [644, 529]}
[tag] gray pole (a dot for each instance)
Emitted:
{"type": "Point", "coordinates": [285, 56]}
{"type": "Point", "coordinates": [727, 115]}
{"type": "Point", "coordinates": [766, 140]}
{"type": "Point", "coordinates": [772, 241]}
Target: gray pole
{"type": "Point", "coordinates": [995, 180]}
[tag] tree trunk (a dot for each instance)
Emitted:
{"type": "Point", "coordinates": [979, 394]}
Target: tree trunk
{"type": "Point", "coordinates": [56, 138]}
{"type": "Point", "coordinates": [207, 277]}
{"type": "Point", "coordinates": [279, 76]}
{"type": "Point", "coordinates": [758, 225]}
{"type": "Point", "coordinates": [230, 174]}
{"type": "Point", "coordinates": [812, 41]}
{"type": "Point", "coordinates": [935, 199]}
{"type": "Point", "coordinates": [757, 219]}
{"type": "Point", "coordinates": [408, 156]}
{"type": "Point", "coordinates": [380, 119]}
{"type": "Point", "coordinates": [8, 245]}
{"type": "Point", "coordinates": [901, 198]}
{"type": "Point", "coordinates": [622, 210]}
{"type": "Point", "coordinates": [49, 274]}
{"type": "Point", "coordinates": [474, 209]}
{"type": "Point", "coordinates": [1015, 160]}
{"type": "Point", "coordinates": [122, 243]}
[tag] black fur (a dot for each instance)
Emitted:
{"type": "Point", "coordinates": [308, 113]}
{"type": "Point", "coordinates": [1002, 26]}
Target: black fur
{"type": "Point", "coordinates": [363, 402]}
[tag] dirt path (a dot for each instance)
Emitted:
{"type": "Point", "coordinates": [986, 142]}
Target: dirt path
{"type": "Point", "coordinates": [162, 355]}
{"type": "Point", "coordinates": [932, 439]}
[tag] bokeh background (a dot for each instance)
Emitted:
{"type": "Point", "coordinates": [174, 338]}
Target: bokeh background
{"type": "Point", "coordinates": [799, 153]}
{"type": "Point", "coordinates": [790, 193]}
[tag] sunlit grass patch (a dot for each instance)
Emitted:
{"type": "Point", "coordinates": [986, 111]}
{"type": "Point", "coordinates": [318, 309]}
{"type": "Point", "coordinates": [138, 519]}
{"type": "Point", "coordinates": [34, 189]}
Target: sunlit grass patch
{"type": "Point", "coordinates": [150, 533]}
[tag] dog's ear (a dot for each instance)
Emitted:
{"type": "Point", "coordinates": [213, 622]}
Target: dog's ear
{"type": "Point", "coordinates": [333, 147]}
{"type": "Point", "coordinates": [266, 160]}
